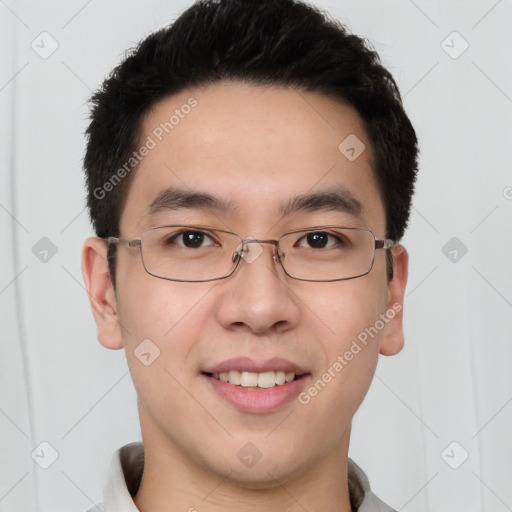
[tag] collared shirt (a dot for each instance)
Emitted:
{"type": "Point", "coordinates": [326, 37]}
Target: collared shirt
{"type": "Point", "coordinates": [125, 473]}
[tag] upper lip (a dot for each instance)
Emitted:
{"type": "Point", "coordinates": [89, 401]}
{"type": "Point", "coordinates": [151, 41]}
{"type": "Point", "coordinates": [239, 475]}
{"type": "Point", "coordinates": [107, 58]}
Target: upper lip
{"type": "Point", "coordinates": [245, 364]}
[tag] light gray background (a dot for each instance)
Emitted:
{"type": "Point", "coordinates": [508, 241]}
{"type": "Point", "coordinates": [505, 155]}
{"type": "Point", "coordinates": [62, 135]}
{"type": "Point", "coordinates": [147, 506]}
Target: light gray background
{"type": "Point", "coordinates": [452, 381]}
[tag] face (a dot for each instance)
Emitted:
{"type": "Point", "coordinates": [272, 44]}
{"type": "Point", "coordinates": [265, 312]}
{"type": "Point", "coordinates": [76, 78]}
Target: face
{"type": "Point", "coordinates": [255, 149]}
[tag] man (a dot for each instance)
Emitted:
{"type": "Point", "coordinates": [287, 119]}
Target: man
{"type": "Point", "coordinates": [250, 171]}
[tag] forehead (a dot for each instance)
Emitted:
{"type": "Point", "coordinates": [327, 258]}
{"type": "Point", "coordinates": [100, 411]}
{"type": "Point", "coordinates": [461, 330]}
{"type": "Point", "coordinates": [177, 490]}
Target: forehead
{"type": "Point", "coordinates": [256, 149]}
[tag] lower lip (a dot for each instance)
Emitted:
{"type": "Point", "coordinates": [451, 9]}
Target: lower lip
{"type": "Point", "coordinates": [258, 400]}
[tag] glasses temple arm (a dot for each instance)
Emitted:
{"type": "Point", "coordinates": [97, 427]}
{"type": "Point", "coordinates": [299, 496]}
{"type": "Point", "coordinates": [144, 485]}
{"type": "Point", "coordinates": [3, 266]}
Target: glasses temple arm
{"type": "Point", "coordinates": [385, 244]}
{"type": "Point", "coordinates": [121, 241]}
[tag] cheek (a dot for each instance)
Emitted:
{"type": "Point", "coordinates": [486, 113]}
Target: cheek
{"type": "Point", "coordinates": [345, 309]}
{"type": "Point", "coordinates": [150, 307]}
{"type": "Point", "coordinates": [160, 322]}
{"type": "Point", "coordinates": [350, 313]}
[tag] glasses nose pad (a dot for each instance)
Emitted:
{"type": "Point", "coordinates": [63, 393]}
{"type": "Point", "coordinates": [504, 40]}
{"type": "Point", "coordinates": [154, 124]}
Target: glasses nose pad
{"type": "Point", "coordinates": [278, 257]}
{"type": "Point", "coordinates": [244, 252]}
{"type": "Point", "coordinates": [239, 253]}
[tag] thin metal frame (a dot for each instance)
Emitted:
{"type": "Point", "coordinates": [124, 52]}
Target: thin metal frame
{"type": "Point", "coordinates": [137, 242]}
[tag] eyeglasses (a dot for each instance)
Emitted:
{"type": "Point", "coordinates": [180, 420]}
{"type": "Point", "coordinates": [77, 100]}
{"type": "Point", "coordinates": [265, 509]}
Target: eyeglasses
{"type": "Point", "coordinates": [201, 253]}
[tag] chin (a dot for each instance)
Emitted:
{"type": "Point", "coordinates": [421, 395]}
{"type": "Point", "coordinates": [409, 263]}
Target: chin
{"type": "Point", "coordinates": [258, 482]}
{"type": "Point", "coordinates": [261, 476]}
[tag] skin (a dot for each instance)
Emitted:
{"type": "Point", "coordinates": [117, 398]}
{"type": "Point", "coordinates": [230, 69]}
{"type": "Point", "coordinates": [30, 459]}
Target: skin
{"type": "Point", "coordinates": [256, 146]}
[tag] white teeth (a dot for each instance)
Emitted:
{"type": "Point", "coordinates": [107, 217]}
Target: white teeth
{"type": "Point", "coordinates": [234, 377]}
{"type": "Point", "coordinates": [280, 378]}
{"type": "Point", "coordinates": [266, 379]}
{"type": "Point", "coordinates": [251, 379]}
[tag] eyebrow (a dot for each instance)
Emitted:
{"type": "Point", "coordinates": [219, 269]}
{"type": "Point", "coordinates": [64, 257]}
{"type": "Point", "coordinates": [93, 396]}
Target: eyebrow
{"type": "Point", "coordinates": [340, 199]}
{"type": "Point", "coordinates": [173, 198]}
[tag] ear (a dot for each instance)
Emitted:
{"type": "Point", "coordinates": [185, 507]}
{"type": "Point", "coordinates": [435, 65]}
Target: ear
{"type": "Point", "coordinates": [393, 338]}
{"type": "Point", "coordinates": [101, 292]}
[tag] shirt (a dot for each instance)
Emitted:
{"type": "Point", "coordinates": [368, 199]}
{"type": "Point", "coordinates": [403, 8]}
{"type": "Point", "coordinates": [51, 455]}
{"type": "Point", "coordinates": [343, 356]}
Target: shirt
{"type": "Point", "coordinates": [127, 465]}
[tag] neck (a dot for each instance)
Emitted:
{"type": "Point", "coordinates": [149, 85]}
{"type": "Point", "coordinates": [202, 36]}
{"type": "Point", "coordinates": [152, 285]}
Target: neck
{"type": "Point", "coordinates": [174, 480]}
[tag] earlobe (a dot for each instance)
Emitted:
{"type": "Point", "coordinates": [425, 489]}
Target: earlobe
{"type": "Point", "coordinates": [101, 292]}
{"type": "Point", "coordinates": [393, 338]}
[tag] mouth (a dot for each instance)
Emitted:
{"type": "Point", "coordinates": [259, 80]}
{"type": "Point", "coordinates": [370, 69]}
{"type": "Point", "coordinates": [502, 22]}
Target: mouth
{"type": "Point", "coordinates": [267, 379]}
{"type": "Point", "coordinates": [256, 387]}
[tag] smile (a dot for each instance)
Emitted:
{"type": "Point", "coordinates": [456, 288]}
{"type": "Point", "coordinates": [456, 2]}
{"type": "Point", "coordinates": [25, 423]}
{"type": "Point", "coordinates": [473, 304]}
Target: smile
{"type": "Point", "coordinates": [244, 379]}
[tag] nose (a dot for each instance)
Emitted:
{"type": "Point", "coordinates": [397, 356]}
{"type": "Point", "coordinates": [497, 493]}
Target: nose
{"type": "Point", "coordinates": [257, 298]}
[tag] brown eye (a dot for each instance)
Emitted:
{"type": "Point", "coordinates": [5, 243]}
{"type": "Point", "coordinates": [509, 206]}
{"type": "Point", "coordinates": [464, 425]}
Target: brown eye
{"type": "Point", "coordinates": [319, 240]}
{"type": "Point", "coordinates": [189, 239]}
{"type": "Point", "coordinates": [193, 239]}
